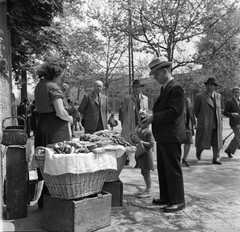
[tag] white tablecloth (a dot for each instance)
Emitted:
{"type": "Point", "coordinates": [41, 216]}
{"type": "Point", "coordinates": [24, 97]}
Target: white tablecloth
{"type": "Point", "coordinates": [102, 159]}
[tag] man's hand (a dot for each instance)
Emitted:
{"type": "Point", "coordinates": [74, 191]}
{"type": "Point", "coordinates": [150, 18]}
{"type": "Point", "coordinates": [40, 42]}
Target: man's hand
{"type": "Point", "coordinates": [135, 138]}
{"type": "Point", "coordinates": [235, 114]}
{"type": "Point", "coordinates": [146, 121]}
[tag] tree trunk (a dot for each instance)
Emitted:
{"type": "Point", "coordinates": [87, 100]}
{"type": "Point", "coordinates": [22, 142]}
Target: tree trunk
{"type": "Point", "coordinates": [24, 93]}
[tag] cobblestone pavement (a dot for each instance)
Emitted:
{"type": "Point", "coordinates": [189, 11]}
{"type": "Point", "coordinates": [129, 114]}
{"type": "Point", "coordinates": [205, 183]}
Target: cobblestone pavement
{"type": "Point", "coordinates": [211, 193]}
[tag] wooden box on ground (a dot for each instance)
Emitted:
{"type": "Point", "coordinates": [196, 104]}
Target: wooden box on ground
{"type": "Point", "coordinates": [16, 184]}
{"type": "Point", "coordinates": [116, 189]}
{"type": "Point", "coordinates": [78, 215]}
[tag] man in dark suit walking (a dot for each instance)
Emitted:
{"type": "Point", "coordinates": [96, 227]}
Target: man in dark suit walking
{"type": "Point", "coordinates": [232, 111]}
{"type": "Point", "coordinates": [94, 108]}
{"type": "Point", "coordinates": [169, 132]}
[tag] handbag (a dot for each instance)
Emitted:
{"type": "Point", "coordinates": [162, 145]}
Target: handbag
{"type": "Point", "coordinates": [14, 135]}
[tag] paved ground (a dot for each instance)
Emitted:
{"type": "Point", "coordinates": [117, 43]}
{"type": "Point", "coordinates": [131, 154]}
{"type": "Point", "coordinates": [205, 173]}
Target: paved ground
{"type": "Point", "coordinates": [211, 192]}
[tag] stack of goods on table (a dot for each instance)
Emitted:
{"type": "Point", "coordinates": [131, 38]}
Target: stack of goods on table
{"type": "Point", "coordinates": [110, 142]}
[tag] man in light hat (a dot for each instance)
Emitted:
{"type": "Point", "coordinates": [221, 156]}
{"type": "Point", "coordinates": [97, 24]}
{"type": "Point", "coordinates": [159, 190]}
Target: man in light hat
{"type": "Point", "coordinates": [131, 106]}
{"type": "Point", "coordinates": [207, 109]}
{"type": "Point", "coordinates": [169, 132]}
{"type": "Point", "coordinates": [232, 111]}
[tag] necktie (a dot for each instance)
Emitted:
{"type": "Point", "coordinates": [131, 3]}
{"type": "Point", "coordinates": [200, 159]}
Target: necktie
{"type": "Point", "coordinates": [99, 99]}
{"type": "Point", "coordinates": [161, 90]}
{"type": "Point", "coordinates": [137, 109]}
{"type": "Point", "coordinates": [212, 97]}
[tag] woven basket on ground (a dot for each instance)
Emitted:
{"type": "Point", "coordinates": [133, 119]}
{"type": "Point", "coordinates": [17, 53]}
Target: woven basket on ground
{"type": "Point", "coordinates": [71, 186]}
{"type": "Point", "coordinates": [112, 175]}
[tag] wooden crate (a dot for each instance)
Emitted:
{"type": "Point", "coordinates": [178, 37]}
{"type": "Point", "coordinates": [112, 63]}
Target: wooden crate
{"type": "Point", "coordinates": [78, 215]}
{"type": "Point", "coordinates": [116, 189]}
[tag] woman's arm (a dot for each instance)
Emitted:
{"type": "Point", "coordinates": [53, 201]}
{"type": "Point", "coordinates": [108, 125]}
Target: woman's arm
{"type": "Point", "coordinates": [61, 111]}
{"type": "Point", "coordinates": [150, 140]}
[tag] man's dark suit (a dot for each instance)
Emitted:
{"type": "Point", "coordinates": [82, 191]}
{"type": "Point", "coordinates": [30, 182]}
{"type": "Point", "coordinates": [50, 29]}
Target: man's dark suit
{"type": "Point", "coordinates": [94, 112]}
{"type": "Point", "coordinates": [231, 107]}
{"type": "Point", "coordinates": [169, 132]}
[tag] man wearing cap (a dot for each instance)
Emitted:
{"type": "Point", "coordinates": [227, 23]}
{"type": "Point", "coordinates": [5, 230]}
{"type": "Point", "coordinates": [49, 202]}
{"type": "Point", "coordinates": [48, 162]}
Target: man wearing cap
{"type": "Point", "coordinates": [131, 106]}
{"type": "Point", "coordinates": [207, 109]}
{"type": "Point", "coordinates": [232, 111]}
{"type": "Point", "coordinates": [169, 132]}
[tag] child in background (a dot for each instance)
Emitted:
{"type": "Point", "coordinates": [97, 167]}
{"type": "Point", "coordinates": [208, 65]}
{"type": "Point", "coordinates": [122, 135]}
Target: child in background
{"type": "Point", "coordinates": [145, 160]}
{"type": "Point", "coordinates": [112, 121]}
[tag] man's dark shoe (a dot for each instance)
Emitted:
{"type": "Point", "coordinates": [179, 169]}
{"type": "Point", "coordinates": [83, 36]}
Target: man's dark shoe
{"type": "Point", "coordinates": [158, 201]}
{"type": "Point", "coordinates": [229, 154]}
{"type": "Point", "coordinates": [217, 162]}
{"type": "Point", "coordinates": [198, 156]}
{"type": "Point", "coordinates": [170, 208]}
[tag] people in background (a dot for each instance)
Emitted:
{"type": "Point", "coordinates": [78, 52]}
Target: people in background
{"type": "Point", "coordinates": [112, 121]}
{"type": "Point", "coordinates": [232, 111]}
{"type": "Point", "coordinates": [33, 118]}
{"type": "Point", "coordinates": [53, 118]}
{"type": "Point", "coordinates": [190, 122]}
{"type": "Point", "coordinates": [74, 113]}
{"type": "Point", "coordinates": [131, 106]}
{"type": "Point", "coordinates": [24, 111]}
{"type": "Point", "coordinates": [94, 109]}
{"type": "Point", "coordinates": [77, 122]}
{"type": "Point", "coordinates": [207, 109]}
{"type": "Point", "coordinates": [120, 114]}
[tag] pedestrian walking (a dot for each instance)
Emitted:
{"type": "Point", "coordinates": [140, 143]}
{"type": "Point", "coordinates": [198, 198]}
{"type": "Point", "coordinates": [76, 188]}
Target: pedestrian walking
{"type": "Point", "coordinates": [168, 130]}
{"type": "Point", "coordinates": [207, 109]}
{"type": "Point", "coordinates": [94, 108]}
{"type": "Point", "coordinates": [232, 111]}
{"type": "Point", "coordinates": [190, 122]}
{"type": "Point", "coordinates": [53, 118]}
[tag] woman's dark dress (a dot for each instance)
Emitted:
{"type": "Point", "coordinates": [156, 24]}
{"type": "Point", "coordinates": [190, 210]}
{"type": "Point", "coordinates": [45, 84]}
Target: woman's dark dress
{"type": "Point", "coordinates": [50, 128]}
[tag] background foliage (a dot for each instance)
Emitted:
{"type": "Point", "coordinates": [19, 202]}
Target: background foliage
{"type": "Point", "coordinates": [200, 37]}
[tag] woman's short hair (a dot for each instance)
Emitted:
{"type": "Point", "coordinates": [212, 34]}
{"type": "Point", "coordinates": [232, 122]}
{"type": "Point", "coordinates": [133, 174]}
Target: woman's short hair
{"type": "Point", "coordinates": [51, 68]}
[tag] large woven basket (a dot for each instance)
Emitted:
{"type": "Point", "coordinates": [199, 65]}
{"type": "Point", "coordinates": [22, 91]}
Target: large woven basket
{"type": "Point", "coordinates": [71, 186]}
{"type": "Point", "coordinates": [112, 175]}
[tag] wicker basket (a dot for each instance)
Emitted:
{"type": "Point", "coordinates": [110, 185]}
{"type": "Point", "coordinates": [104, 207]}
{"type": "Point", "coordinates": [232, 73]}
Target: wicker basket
{"type": "Point", "coordinates": [112, 175]}
{"type": "Point", "coordinates": [14, 135]}
{"type": "Point", "coordinates": [71, 186]}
